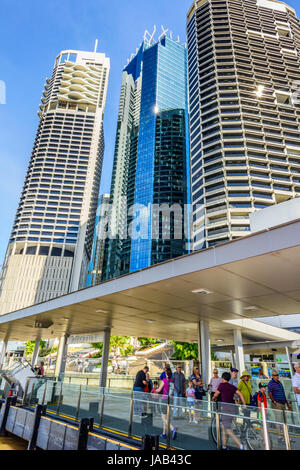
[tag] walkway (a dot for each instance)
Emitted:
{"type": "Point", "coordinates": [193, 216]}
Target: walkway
{"type": "Point", "coordinates": [12, 443]}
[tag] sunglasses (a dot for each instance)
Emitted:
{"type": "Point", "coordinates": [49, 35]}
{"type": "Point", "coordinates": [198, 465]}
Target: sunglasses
{"type": "Point", "coordinates": [275, 375]}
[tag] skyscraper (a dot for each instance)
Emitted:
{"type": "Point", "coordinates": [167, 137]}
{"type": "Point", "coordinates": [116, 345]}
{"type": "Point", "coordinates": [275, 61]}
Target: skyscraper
{"type": "Point", "coordinates": [97, 256]}
{"type": "Point", "coordinates": [244, 65]}
{"type": "Point", "coordinates": [151, 163]}
{"type": "Point", "coordinates": [50, 243]}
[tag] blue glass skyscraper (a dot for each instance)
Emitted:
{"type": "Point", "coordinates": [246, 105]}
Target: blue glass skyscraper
{"type": "Point", "coordinates": [151, 164]}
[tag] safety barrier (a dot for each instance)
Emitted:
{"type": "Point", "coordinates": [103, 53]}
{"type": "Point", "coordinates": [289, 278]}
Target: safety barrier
{"type": "Point", "coordinates": [201, 426]}
{"type": "Point", "coordinates": [43, 432]}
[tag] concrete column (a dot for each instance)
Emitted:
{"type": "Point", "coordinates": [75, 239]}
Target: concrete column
{"type": "Point", "coordinates": [35, 354]}
{"type": "Point", "coordinates": [239, 351]}
{"type": "Point", "coordinates": [232, 359]}
{"type": "Point", "coordinates": [105, 357]}
{"type": "Point", "coordinates": [205, 351]}
{"type": "Point", "coordinates": [199, 347]}
{"type": "Point", "coordinates": [3, 352]}
{"type": "Point", "coordinates": [61, 357]}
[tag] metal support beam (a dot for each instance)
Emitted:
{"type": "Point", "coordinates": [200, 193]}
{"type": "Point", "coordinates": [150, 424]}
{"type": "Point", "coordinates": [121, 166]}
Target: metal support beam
{"type": "Point", "coordinates": [205, 351]}
{"type": "Point", "coordinates": [239, 350]}
{"type": "Point", "coordinates": [289, 361]}
{"type": "Point", "coordinates": [232, 358]}
{"type": "Point", "coordinates": [199, 347]}
{"type": "Point", "coordinates": [3, 352]}
{"type": "Point", "coordinates": [61, 358]}
{"type": "Point", "coordinates": [35, 354]}
{"type": "Point", "coordinates": [105, 356]}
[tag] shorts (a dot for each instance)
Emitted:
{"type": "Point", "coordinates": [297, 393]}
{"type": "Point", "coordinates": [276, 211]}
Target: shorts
{"type": "Point", "coordinates": [227, 418]}
{"type": "Point", "coordinates": [227, 421]}
{"type": "Point", "coordinates": [190, 404]}
{"type": "Point", "coordinates": [278, 406]}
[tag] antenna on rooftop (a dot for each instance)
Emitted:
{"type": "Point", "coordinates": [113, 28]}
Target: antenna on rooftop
{"type": "Point", "coordinates": [152, 36]}
{"type": "Point", "coordinates": [96, 46]}
{"type": "Point", "coordinates": [164, 33]}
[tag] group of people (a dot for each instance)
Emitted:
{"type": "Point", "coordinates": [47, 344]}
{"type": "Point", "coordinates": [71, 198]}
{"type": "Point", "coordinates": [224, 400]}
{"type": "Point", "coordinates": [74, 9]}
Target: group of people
{"type": "Point", "coordinates": [229, 390]}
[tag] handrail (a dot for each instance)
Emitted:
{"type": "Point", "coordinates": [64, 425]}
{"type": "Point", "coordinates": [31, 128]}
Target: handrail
{"type": "Point", "coordinates": [264, 417]}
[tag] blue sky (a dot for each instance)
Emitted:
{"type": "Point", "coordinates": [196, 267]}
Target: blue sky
{"type": "Point", "coordinates": [32, 33]}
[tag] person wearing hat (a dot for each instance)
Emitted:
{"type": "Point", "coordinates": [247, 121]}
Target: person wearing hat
{"type": "Point", "coordinates": [246, 390]}
{"type": "Point", "coordinates": [245, 387]}
{"type": "Point", "coordinates": [234, 381]}
{"type": "Point", "coordinates": [234, 377]}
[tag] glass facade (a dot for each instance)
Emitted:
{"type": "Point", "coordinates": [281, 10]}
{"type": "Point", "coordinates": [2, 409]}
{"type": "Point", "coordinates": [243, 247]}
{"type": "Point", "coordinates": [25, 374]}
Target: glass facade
{"type": "Point", "coordinates": [164, 87]}
{"type": "Point", "coordinates": [97, 255]}
{"type": "Point", "coordinates": [151, 162]}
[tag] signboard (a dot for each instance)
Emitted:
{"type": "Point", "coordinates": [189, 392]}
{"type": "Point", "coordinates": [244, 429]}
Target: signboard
{"type": "Point", "coordinates": [86, 339]}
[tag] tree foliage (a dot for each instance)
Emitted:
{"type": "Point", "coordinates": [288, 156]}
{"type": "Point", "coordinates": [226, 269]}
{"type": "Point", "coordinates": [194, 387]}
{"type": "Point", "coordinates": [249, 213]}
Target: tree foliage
{"type": "Point", "coordinates": [188, 351]}
{"type": "Point", "coordinates": [146, 342]}
{"type": "Point", "coordinates": [29, 348]}
{"type": "Point", "coordinates": [185, 351]}
{"type": "Point", "coordinates": [121, 343]}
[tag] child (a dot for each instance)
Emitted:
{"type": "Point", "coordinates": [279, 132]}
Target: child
{"type": "Point", "coordinates": [154, 395]}
{"type": "Point", "coordinates": [154, 389]}
{"type": "Point", "coordinates": [262, 401]}
{"type": "Point", "coordinates": [190, 394]}
{"type": "Point", "coordinates": [261, 396]}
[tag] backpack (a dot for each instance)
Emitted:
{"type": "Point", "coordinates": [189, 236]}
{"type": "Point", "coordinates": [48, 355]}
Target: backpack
{"type": "Point", "coordinates": [253, 401]}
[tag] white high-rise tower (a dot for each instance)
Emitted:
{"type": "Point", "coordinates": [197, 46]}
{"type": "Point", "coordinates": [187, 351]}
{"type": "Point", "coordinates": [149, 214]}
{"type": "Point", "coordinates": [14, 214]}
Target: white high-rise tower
{"type": "Point", "coordinates": [244, 73]}
{"type": "Point", "coordinates": [50, 243]}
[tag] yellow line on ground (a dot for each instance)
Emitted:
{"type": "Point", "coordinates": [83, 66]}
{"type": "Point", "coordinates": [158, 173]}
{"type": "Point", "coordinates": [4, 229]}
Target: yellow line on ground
{"type": "Point", "coordinates": [58, 422]}
{"type": "Point", "coordinates": [113, 442]}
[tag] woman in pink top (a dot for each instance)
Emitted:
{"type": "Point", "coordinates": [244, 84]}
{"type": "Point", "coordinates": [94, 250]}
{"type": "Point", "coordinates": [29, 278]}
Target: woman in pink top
{"type": "Point", "coordinates": [167, 388]}
{"type": "Point", "coordinates": [214, 383]}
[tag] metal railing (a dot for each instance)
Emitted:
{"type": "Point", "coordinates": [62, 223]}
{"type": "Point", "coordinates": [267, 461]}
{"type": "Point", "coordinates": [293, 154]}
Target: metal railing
{"type": "Point", "coordinates": [202, 425]}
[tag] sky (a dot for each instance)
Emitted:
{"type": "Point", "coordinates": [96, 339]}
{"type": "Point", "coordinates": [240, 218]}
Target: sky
{"type": "Point", "coordinates": [32, 33]}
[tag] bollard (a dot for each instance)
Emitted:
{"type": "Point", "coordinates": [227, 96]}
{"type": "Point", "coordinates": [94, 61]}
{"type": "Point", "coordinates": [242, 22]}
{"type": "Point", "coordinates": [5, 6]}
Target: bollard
{"type": "Point", "coordinates": [150, 443]}
{"type": "Point", "coordinates": [40, 411]}
{"type": "Point", "coordinates": [86, 426]}
{"type": "Point", "coordinates": [9, 401]}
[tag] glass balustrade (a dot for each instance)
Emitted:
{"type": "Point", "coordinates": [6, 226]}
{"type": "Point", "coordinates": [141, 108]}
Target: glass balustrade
{"type": "Point", "coordinates": [202, 425]}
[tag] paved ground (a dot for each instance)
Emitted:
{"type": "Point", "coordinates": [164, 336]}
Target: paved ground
{"type": "Point", "coordinates": [12, 443]}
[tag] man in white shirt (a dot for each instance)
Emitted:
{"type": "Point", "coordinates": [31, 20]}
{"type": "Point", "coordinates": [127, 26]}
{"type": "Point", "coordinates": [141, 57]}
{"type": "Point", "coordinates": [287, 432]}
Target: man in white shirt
{"type": "Point", "coordinates": [296, 383]}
